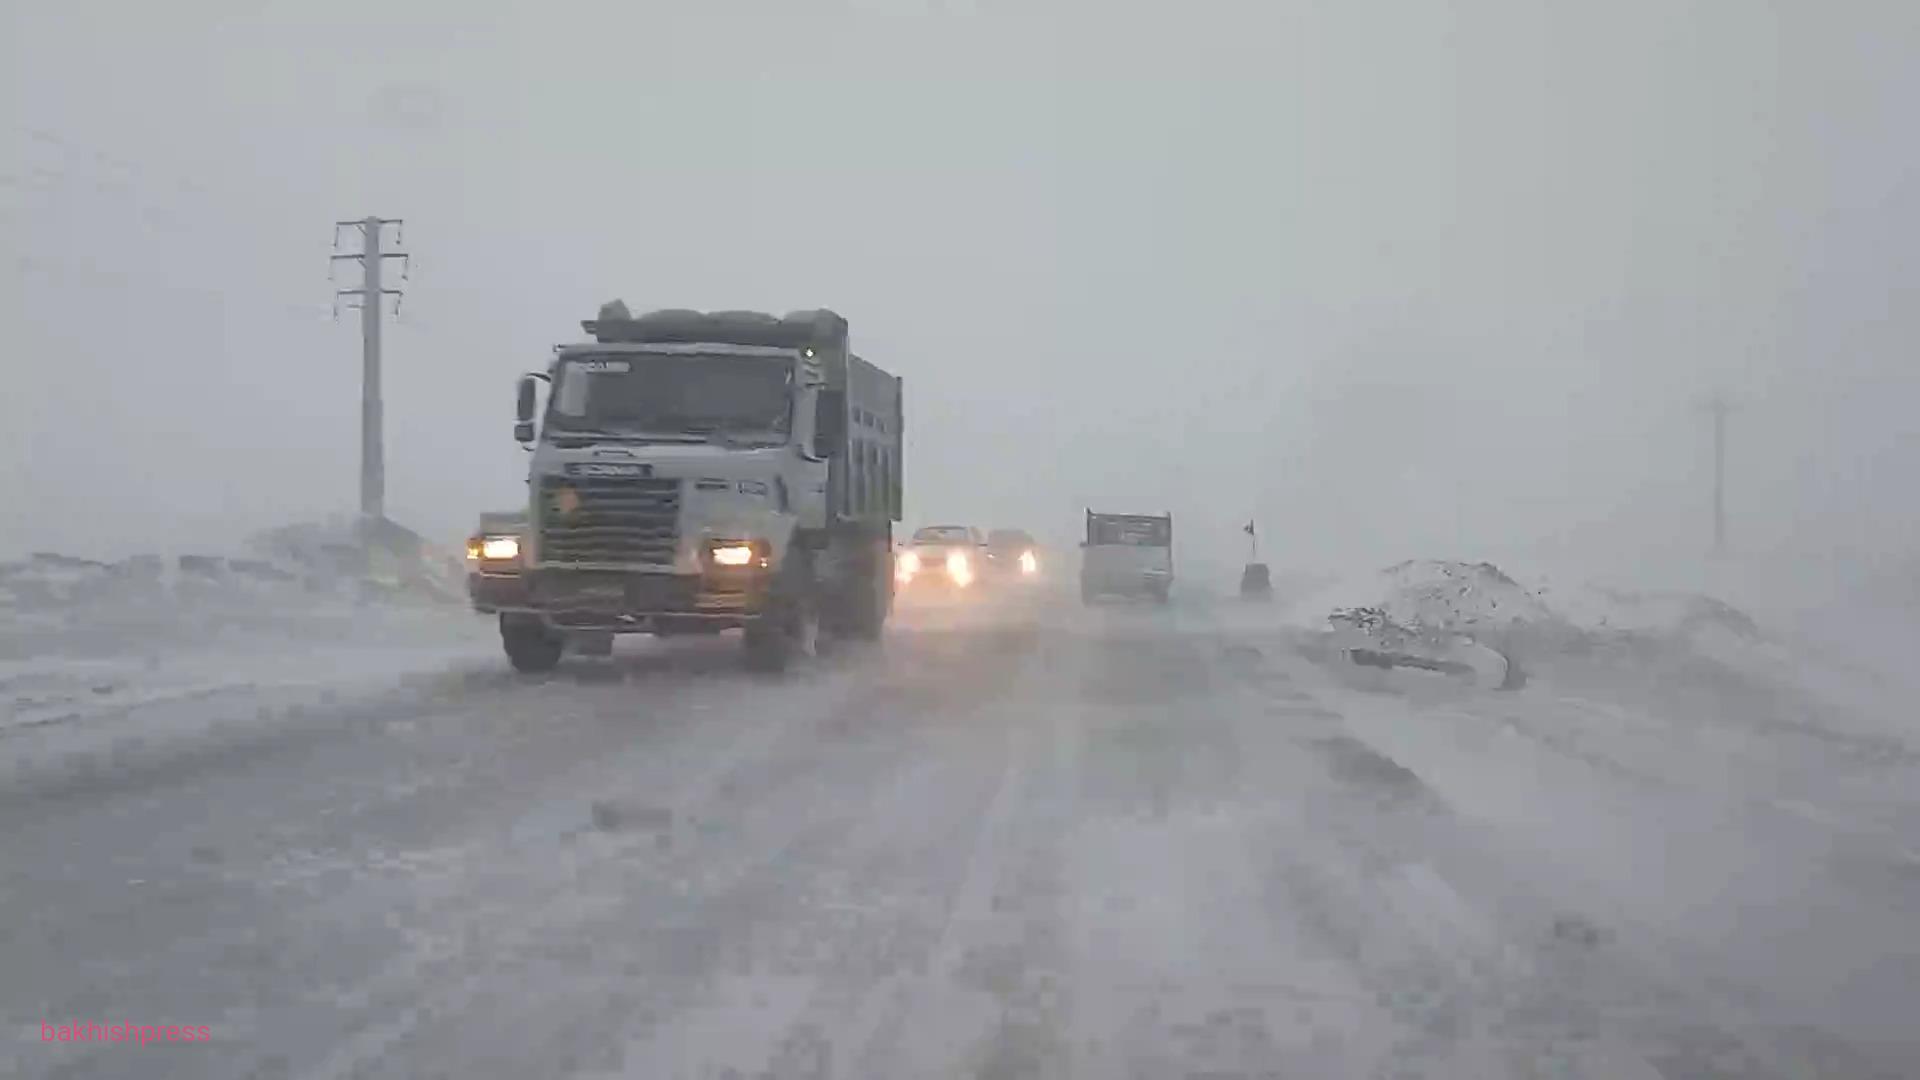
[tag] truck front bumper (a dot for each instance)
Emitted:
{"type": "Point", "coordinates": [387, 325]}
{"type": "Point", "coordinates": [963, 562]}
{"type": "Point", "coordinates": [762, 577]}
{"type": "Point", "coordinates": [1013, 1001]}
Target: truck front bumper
{"type": "Point", "coordinates": [496, 592]}
{"type": "Point", "coordinates": [626, 602]}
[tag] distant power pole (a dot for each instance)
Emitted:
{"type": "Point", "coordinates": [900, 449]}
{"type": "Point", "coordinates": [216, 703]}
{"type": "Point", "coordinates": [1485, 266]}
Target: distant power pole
{"type": "Point", "coordinates": [1718, 407]}
{"type": "Point", "coordinates": [373, 461]}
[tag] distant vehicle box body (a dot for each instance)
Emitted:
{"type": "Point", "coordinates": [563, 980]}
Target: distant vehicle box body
{"type": "Point", "coordinates": [1127, 555]}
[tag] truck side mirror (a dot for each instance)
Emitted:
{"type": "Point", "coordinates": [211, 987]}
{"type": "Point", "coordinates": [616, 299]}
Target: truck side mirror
{"type": "Point", "coordinates": [829, 422]}
{"type": "Point", "coordinates": [523, 411]}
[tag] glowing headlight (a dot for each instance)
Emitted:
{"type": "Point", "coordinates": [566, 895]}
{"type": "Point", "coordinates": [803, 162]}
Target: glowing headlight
{"type": "Point", "coordinates": [733, 555]}
{"type": "Point", "coordinates": [1028, 563]}
{"type": "Point", "coordinates": [959, 569]}
{"type": "Point", "coordinates": [494, 548]}
{"type": "Point", "coordinates": [907, 565]}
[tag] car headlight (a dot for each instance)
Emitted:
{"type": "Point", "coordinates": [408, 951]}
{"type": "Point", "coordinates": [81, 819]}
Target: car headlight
{"type": "Point", "coordinates": [493, 548]}
{"type": "Point", "coordinates": [1029, 564]}
{"type": "Point", "coordinates": [907, 565]}
{"type": "Point", "coordinates": [959, 568]}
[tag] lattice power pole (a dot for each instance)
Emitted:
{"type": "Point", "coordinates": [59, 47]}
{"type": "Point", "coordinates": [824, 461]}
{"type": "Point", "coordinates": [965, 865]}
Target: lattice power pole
{"type": "Point", "coordinates": [373, 461]}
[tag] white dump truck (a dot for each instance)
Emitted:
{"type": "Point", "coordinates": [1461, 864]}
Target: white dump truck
{"type": "Point", "coordinates": [698, 472]}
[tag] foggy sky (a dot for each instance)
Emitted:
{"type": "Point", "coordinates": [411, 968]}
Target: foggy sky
{"type": "Point", "coordinates": [1396, 279]}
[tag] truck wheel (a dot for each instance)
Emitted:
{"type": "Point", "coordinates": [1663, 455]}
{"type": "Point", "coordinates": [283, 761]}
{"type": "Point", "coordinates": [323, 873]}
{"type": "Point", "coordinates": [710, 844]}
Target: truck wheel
{"type": "Point", "coordinates": [791, 623]}
{"type": "Point", "coordinates": [868, 602]}
{"type": "Point", "coordinates": [531, 647]}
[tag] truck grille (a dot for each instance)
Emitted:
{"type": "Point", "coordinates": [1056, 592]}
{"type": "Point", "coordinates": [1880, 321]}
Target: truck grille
{"type": "Point", "coordinates": [608, 520]}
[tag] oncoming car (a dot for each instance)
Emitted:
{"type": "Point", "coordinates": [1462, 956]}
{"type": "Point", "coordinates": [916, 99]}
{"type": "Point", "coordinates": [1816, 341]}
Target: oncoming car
{"type": "Point", "coordinates": [947, 557]}
{"type": "Point", "coordinates": [1013, 554]}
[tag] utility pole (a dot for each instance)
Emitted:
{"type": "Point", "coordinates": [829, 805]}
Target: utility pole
{"type": "Point", "coordinates": [1717, 406]}
{"type": "Point", "coordinates": [373, 462]}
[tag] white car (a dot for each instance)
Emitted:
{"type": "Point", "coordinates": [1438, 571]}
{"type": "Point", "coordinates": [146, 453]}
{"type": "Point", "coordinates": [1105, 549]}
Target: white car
{"type": "Point", "coordinates": [949, 558]}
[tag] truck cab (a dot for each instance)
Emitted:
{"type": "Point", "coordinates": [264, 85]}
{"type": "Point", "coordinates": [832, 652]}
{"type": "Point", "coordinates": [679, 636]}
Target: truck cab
{"type": "Point", "coordinates": [1127, 555]}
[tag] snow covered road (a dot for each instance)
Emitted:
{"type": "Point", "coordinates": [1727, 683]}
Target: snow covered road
{"type": "Point", "coordinates": [1017, 843]}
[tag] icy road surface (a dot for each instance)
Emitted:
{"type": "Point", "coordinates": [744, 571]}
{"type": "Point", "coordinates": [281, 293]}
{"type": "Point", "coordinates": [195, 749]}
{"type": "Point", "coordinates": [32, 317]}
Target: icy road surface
{"type": "Point", "coordinates": [1039, 842]}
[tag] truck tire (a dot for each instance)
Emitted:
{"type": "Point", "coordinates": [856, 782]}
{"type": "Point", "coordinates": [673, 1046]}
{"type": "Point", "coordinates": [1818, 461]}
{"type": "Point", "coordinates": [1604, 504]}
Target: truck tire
{"type": "Point", "coordinates": [531, 648]}
{"type": "Point", "coordinates": [868, 601]}
{"type": "Point", "coordinates": [791, 623]}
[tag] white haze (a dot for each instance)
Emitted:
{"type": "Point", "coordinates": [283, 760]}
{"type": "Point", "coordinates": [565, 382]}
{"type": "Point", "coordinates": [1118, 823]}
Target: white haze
{"type": "Point", "coordinates": [1396, 279]}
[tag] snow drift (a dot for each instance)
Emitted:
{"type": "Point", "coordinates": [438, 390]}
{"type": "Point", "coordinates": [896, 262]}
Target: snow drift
{"type": "Point", "coordinates": [1446, 614]}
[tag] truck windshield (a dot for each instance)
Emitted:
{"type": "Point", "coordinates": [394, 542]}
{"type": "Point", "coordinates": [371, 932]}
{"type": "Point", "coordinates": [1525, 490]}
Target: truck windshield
{"type": "Point", "coordinates": [1131, 532]}
{"type": "Point", "coordinates": [676, 394]}
{"type": "Point", "coordinates": [944, 534]}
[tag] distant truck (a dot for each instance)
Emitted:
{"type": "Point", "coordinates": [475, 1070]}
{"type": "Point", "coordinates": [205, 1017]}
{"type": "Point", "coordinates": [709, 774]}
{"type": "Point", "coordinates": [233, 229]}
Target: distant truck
{"type": "Point", "coordinates": [1127, 555]}
{"type": "Point", "coordinates": [696, 472]}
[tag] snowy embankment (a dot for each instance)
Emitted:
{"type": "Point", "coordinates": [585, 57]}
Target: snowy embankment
{"type": "Point", "coordinates": [1532, 617]}
{"type": "Point", "coordinates": [1738, 794]}
{"type": "Point", "coordinates": [81, 638]}
{"type": "Point", "coordinates": [1851, 650]}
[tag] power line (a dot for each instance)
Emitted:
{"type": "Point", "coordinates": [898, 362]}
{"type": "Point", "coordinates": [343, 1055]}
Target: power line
{"type": "Point", "coordinates": [373, 464]}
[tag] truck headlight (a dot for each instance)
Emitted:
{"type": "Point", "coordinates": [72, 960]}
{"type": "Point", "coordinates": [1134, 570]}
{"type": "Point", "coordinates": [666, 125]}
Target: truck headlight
{"type": "Point", "coordinates": [737, 554]}
{"type": "Point", "coordinates": [733, 555]}
{"type": "Point", "coordinates": [493, 548]}
{"type": "Point", "coordinates": [1029, 564]}
{"type": "Point", "coordinates": [907, 565]}
{"type": "Point", "coordinates": [959, 569]}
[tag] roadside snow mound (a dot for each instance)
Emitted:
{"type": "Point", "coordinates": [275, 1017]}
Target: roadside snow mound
{"type": "Point", "coordinates": [1460, 597]}
{"type": "Point", "coordinates": [1438, 615]}
{"type": "Point", "coordinates": [378, 556]}
{"type": "Point", "coordinates": [302, 580]}
{"type": "Point", "coordinates": [1428, 611]}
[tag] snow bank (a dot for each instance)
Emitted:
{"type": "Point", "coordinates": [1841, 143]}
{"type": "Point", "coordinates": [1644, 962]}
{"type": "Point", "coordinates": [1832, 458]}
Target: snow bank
{"type": "Point", "coordinates": [1434, 603]}
{"type": "Point", "coordinates": [294, 587]}
{"type": "Point", "coordinates": [285, 566]}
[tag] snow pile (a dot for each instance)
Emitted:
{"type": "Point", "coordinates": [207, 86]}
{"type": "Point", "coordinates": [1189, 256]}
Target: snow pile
{"type": "Point", "coordinates": [377, 555]}
{"type": "Point", "coordinates": [1431, 601]}
{"type": "Point", "coordinates": [1461, 597]}
{"type": "Point", "coordinates": [290, 566]}
{"type": "Point", "coordinates": [301, 583]}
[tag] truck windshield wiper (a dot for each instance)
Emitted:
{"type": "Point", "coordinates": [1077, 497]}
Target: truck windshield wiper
{"type": "Point", "coordinates": [594, 433]}
{"type": "Point", "coordinates": [720, 436]}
